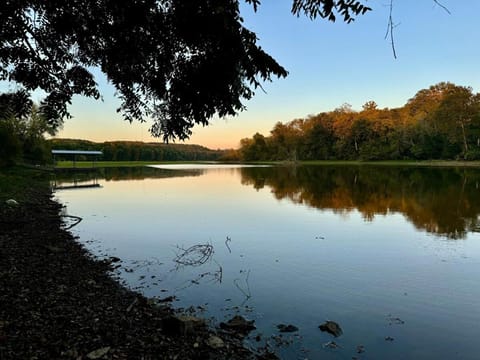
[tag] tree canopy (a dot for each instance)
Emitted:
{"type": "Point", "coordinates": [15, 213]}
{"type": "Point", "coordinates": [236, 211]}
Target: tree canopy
{"type": "Point", "coordinates": [441, 122]}
{"type": "Point", "coordinates": [179, 62]}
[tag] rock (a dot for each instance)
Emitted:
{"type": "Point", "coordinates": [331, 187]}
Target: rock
{"type": "Point", "coordinates": [166, 299]}
{"type": "Point", "coordinates": [215, 342]}
{"type": "Point", "coordinates": [287, 328]}
{"type": "Point", "coordinates": [267, 355]}
{"type": "Point", "coordinates": [331, 345]}
{"type": "Point", "coordinates": [53, 249]}
{"type": "Point", "coordinates": [331, 327]}
{"type": "Point", "coordinates": [395, 320]}
{"type": "Point", "coordinates": [99, 353]}
{"type": "Point", "coordinates": [11, 202]}
{"type": "Point", "coordinates": [360, 349]}
{"type": "Point", "coordinates": [72, 353]}
{"type": "Point", "coordinates": [183, 324]}
{"type": "Point", "coordinates": [239, 324]}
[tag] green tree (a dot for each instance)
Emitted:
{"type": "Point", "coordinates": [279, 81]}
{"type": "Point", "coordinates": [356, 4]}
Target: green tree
{"type": "Point", "coordinates": [23, 126]}
{"type": "Point", "coordinates": [455, 114]}
{"type": "Point", "coordinates": [10, 146]}
{"type": "Point", "coordinates": [319, 138]}
{"type": "Point", "coordinates": [179, 62]}
{"type": "Point", "coordinates": [287, 138]}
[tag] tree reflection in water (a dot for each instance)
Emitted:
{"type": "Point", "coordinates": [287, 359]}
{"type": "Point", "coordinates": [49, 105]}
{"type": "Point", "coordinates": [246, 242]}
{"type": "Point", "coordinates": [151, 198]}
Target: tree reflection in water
{"type": "Point", "coordinates": [443, 201]}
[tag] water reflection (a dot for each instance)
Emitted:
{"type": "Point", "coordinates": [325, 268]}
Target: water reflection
{"type": "Point", "coordinates": [145, 172]}
{"type": "Point", "coordinates": [74, 179]}
{"type": "Point", "coordinates": [284, 262]}
{"type": "Point", "coordinates": [78, 178]}
{"type": "Point", "coordinates": [440, 201]}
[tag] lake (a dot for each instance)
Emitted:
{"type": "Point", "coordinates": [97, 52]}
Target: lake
{"type": "Point", "coordinates": [392, 254]}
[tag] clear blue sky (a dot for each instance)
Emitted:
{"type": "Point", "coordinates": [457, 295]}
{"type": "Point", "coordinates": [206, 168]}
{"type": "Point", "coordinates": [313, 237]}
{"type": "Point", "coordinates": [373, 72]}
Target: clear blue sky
{"type": "Point", "coordinates": [329, 64]}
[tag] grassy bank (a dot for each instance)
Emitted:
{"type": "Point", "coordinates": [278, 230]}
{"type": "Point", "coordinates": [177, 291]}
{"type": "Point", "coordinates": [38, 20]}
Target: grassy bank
{"type": "Point", "coordinates": [429, 163]}
{"type": "Point", "coordinates": [440, 163]}
{"type": "Point", "coordinates": [15, 181]}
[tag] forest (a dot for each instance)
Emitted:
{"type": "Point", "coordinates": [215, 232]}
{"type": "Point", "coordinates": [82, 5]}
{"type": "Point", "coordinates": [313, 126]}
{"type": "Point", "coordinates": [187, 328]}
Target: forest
{"type": "Point", "coordinates": [441, 122]}
{"type": "Point", "coordinates": [139, 151]}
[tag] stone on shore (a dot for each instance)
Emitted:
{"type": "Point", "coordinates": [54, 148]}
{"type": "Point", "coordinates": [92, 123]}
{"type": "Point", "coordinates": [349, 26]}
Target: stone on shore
{"type": "Point", "coordinates": [183, 324]}
{"type": "Point", "coordinates": [239, 324]}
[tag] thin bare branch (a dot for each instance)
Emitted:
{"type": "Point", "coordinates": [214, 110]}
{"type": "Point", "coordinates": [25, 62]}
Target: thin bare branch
{"type": "Point", "coordinates": [246, 292]}
{"type": "Point", "coordinates": [391, 25]}
{"type": "Point", "coordinates": [195, 255]}
{"type": "Point", "coordinates": [77, 220]}
{"type": "Point", "coordinates": [226, 244]}
{"type": "Point", "coordinates": [442, 6]}
{"type": "Point", "coordinates": [390, 28]}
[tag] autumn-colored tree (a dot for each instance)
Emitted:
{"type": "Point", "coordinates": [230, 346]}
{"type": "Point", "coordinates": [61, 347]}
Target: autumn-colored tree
{"type": "Point", "coordinates": [441, 122]}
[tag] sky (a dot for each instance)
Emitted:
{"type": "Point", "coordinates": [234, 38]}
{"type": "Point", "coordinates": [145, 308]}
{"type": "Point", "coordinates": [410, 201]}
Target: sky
{"type": "Point", "coordinates": [329, 64]}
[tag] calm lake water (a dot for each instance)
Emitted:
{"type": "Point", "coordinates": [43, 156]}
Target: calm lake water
{"type": "Point", "coordinates": [388, 253]}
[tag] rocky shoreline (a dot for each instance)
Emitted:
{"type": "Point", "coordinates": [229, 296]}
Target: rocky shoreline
{"type": "Point", "coordinates": [58, 302]}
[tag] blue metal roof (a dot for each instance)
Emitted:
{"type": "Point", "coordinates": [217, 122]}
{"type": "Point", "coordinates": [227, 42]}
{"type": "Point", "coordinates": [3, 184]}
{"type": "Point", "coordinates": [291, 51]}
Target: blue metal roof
{"type": "Point", "coordinates": [76, 152]}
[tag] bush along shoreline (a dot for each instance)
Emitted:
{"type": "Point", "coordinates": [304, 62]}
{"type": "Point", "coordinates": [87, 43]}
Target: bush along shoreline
{"type": "Point", "coordinates": [57, 301]}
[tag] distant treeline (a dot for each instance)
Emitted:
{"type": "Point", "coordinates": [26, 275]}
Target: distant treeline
{"type": "Point", "coordinates": [139, 151]}
{"type": "Point", "coordinates": [441, 122]}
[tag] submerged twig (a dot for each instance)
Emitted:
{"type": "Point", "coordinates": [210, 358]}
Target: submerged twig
{"type": "Point", "coordinates": [195, 255]}
{"type": "Point", "coordinates": [219, 272]}
{"type": "Point", "coordinates": [77, 218]}
{"type": "Point", "coordinates": [226, 244]}
{"type": "Point", "coordinates": [153, 261]}
{"type": "Point", "coordinates": [213, 276]}
{"type": "Point", "coordinates": [246, 292]}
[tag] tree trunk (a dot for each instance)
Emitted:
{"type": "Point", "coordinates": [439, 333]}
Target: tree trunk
{"type": "Point", "coordinates": [465, 145]}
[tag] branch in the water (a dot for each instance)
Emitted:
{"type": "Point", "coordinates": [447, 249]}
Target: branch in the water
{"type": "Point", "coordinates": [77, 218]}
{"type": "Point", "coordinates": [214, 277]}
{"type": "Point", "coordinates": [226, 244]}
{"type": "Point", "coordinates": [246, 292]}
{"type": "Point", "coordinates": [195, 255]}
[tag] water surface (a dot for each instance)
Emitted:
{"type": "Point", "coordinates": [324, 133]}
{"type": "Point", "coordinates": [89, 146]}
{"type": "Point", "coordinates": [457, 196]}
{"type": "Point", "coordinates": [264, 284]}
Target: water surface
{"type": "Point", "coordinates": [386, 252]}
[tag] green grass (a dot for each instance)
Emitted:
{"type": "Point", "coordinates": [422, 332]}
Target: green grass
{"type": "Point", "coordinates": [442, 163]}
{"type": "Point", "coordinates": [15, 181]}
